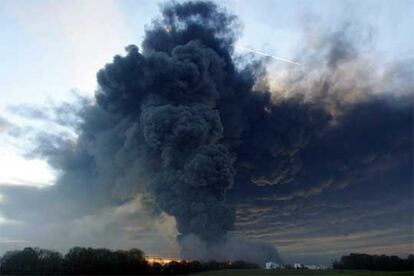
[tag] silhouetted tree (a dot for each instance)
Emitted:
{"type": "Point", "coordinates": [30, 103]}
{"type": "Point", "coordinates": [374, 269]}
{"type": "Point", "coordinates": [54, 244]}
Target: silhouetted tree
{"type": "Point", "coordinates": [196, 266]}
{"type": "Point", "coordinates": [90, 261]}
{"type": "Point", "coordinates": [103, 261]}
{"type": "Point", "coordinates": [31, 261]}
{"type": "Point", "coordinates": [243, 265]}
{"type": "Point", "coordinates": [374, 262]}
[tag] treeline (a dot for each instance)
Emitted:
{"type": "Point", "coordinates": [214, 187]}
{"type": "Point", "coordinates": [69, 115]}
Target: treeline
{"type": "Point", "coordinates": [374, 262]}
{"type": "Point", "coordinates": [90, 261]}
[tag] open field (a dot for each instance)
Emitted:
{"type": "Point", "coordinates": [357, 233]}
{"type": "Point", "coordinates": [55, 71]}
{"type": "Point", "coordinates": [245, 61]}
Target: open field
{"type": "Point", "coordinates": [257, 272]}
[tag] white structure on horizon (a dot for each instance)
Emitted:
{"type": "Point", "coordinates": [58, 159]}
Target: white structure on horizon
{"type": "Point", "coordinates": [315, 267]}
{"type": "Point", "coordinates": [297, 265]}
{"type": "Point", "coordinates": [272, 265]}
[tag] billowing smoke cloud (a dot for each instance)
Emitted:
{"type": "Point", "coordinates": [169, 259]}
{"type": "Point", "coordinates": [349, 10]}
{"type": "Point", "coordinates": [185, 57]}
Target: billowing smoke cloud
{"type": "Point", "coordinates": [336, 121]}
{"type": "Point", "coordinates": [171, 98]}
{"type": "Point", "coordinates": [193, 131]}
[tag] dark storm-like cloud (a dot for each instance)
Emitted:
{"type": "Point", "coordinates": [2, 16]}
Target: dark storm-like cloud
{"type": "Point", "coordinates": [370, 216]}
{"type": "Point", "coordinates": [352, 176]}
{"type": "Point", "coordinates": [351, 118]}
{"type": "Point", "coordinates": [201, 134]}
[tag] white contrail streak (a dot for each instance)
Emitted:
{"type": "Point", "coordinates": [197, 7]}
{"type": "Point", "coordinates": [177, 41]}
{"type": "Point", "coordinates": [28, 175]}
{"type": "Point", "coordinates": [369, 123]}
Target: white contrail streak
{"type": "Point", "coordinates": [267, 55]}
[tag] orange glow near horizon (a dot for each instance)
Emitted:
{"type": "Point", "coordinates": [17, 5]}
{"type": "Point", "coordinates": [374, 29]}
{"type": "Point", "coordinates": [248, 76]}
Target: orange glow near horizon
{"type": "Point", "coordinates": [160, 260]}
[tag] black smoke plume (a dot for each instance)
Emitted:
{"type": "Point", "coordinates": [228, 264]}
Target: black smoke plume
{"type": "Point", "coordinates": [171, 108]}
{"type": "Point", "coordinates": [179, 100]}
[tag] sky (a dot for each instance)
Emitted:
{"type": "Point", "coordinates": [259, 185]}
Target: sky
{"type": "Point", "coordinates": [51, 52]}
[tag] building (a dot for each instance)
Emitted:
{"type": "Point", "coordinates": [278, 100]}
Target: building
{"type": "Point", "coordinates": [298, 266]}
{"type": "Point", "coordinates": [315, 267]}
{"type": "Point", "coordinates": [272, 265]}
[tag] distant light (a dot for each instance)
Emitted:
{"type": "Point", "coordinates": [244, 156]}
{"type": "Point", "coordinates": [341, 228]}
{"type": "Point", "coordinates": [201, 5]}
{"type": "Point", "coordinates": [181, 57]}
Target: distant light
{"type": "Point", "coordinates": [160, 260]}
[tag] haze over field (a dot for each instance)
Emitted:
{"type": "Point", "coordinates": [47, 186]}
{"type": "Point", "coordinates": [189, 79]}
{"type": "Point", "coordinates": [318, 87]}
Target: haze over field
{"type": "Point", "coordinates": [185, 145]}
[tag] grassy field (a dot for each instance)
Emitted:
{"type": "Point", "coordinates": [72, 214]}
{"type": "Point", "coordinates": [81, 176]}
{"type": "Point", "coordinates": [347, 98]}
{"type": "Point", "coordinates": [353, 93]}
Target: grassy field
{"type": "Point", "coordinates": [257, 272]}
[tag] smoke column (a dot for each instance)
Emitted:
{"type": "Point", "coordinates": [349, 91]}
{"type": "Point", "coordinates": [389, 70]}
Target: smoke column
{"type": "Point", "coordinates": [175, 94]}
